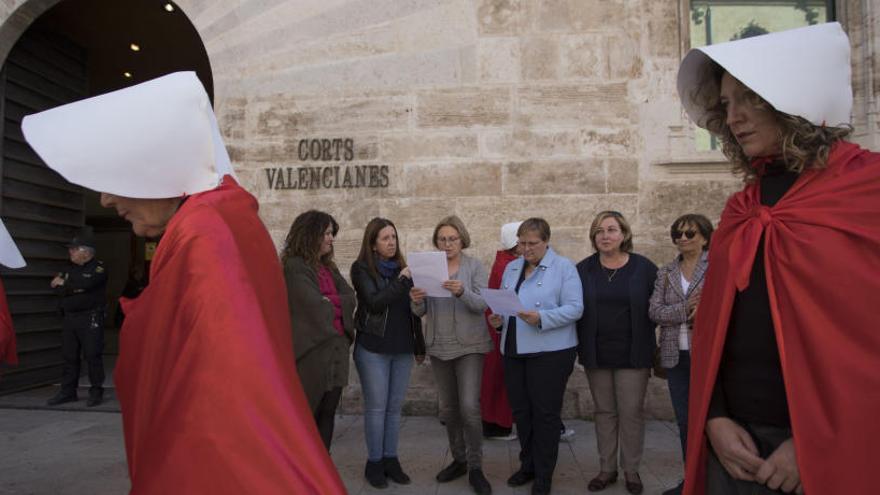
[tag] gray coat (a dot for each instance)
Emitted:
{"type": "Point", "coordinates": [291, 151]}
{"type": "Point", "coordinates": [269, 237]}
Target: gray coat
{"type": "Point", "coordinates": [668, 306]}
{"type": "Point", "coordinates": [322, 354]}
{"type": "Point", "coordinates": [464, 314]}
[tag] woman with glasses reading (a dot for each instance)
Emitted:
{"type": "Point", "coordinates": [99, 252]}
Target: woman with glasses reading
{"type": "Point", "coordinates": [673, 305]}
{"type": "Point", "coordinates": [616, 345]}
{"type": "Point", "coordinates": [539, 347]}
{"type": "Point", "coordinates": [457, 342]}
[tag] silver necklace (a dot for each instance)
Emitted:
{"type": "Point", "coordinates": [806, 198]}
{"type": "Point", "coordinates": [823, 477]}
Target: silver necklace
{"type": "Point", "coordinates": [609, 274]}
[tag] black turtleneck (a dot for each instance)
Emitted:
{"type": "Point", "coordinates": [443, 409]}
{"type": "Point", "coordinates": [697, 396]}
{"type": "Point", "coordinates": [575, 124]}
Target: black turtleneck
{"type": "Point", "coordinates": [749, 386]}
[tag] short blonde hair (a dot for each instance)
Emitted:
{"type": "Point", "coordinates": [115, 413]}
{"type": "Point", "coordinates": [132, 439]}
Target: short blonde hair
{"type": "Point", "coordinates": [537, 225]}
{"type": "Point", "coordinates": [456, 223]}
{"type": "Point", "coordinates": [627, 245]}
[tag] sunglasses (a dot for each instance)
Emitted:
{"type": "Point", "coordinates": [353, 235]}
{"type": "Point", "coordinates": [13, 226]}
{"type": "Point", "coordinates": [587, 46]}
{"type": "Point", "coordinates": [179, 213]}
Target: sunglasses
{"type": "Point", "coordinates": [690, 234]}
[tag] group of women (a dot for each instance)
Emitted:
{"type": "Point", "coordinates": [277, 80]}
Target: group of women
{"type": "Point", "coordinates": [604, 311]}
{"type": "Point", "coordinates": [783, 393]}
{"type": "Point", "coordinates": [784, 350]}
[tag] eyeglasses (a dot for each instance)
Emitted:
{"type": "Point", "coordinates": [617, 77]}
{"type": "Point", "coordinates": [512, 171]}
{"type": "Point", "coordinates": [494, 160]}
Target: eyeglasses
{"type": "Point", "coordinates": [448, 240]}
{"type": "Point", "coordinates": [609, 231]}
{"type": "Point", "coordinates": [690, 234]}
{"type": "Point", "coordinates": [526, 245]}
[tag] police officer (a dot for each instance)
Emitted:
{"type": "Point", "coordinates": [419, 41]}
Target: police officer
{"type": "Point", "coordinates": [82, 289]}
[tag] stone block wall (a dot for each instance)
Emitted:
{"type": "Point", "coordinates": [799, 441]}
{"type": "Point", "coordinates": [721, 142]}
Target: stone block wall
{"type": "Point", "coordinates": [494, 110]}
{"type": "Point", "coordinates": [491, 110]}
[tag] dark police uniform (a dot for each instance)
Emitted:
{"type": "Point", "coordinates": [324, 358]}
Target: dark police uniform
{"type": "Point", "coordinates": [83, 305]}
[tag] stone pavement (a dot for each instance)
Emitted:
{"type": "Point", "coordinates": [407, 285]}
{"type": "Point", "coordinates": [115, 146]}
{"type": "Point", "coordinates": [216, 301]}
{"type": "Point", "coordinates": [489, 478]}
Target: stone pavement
{"type": "Point", "coordinates": [76, 451]}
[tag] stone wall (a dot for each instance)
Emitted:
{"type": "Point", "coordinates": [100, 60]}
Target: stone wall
{"type": "Point", "coordinates": [494, 110]}
{"type": "Point", "coordinates": [862, 22]}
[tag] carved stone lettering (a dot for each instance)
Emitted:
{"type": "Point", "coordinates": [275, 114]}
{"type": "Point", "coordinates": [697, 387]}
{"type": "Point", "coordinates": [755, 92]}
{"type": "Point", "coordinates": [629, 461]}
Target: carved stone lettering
{"type": "Point", "coordinates": [316, 176]}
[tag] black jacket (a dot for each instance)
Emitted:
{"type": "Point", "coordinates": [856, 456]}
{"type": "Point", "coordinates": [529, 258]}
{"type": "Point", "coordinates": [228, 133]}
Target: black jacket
{"type": "Point", "coordinates": [374, 295]}
{"type": "Point", "coordinates": [85, 287]}
{"type": "Point", "coordinates": [641, 285]}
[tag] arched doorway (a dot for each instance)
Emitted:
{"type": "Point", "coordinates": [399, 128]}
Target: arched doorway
{"type": "Point", "coordinates": [73, 49]}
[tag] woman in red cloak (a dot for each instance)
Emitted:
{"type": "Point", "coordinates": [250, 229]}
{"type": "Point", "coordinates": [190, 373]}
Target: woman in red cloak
{"type": "Point", "coordinates": [10, 257]}
{"type": "Point", "coordinates": [7, 334]}
{"type": "Point", "coordinates": [784, 381]}
{"type": "Point", "coordinates": [497, 416]}
{"type": "Point", "coordinates": [206, 378]}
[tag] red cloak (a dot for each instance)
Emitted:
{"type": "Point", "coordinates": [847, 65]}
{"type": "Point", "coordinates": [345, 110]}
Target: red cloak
{"type": "Point", "coordinates": [822, 259]}
{"type": "Point", "coordinates": [7, 333]}
{"type": "Point", "coordinates": [493, 394]}
{"type": "Point", "coordinates": [211, 400]}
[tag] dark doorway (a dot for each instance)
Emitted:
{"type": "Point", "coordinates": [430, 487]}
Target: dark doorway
{"type": "Point", "coordinates": [76, 49]}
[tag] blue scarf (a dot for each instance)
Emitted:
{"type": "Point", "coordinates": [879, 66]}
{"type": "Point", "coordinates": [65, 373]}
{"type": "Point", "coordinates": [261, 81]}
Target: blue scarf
{"type": "Point", "coordinates": [387, 268]}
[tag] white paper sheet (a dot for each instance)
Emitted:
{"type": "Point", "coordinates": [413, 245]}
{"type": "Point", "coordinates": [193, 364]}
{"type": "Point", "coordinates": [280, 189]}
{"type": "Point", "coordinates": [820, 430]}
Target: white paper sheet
{"type": "Point", "coordinates": [429, 271]}
{"type": "Point", "coordinates": [502, 301]}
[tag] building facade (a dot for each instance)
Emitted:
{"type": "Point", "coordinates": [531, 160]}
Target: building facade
{"type": "Point", "coordinates": [494, 110]}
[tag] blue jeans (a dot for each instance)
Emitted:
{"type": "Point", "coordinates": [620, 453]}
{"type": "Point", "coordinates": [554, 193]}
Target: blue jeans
{"type": "Point", "coordinates": [679, 378]}
{"type": "Point", "coordinates": [384, 380]}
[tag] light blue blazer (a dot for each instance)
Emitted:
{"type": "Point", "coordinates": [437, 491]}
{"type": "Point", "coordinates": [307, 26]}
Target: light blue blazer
{"type": "Point", "coordinates": [554, 290]}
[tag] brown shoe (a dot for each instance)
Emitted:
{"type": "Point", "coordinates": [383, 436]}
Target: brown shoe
{"type": "Point", "coordinates": [601, 481]}
{"type": "Point", "coordinates": [634, 484]}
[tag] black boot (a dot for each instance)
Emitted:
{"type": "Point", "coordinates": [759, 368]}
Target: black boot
{"type": "Point", "coordinates": [61, 398]}
{"type": "Point", "coordinates": [541, 486]}
{"type": "Point", "coordinates": [96, 397]}
{"type": "Point", "coordinates": [676, 490]}
{"type": "Point", "coordinates": [394, 471]}
{"type": "Point", "coordinates": [455, 470]}
{"type": "Point", "coordinates": [520, 478]}
{"type": "Point", "coordinates": [375, 474]}
{"type": "Point", "coordinates": [479, 482]}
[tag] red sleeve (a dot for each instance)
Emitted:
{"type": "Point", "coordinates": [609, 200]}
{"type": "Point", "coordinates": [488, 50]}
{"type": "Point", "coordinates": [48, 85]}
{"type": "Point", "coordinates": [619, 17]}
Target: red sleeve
{"type": "Point", "coordinates": [7, 333]}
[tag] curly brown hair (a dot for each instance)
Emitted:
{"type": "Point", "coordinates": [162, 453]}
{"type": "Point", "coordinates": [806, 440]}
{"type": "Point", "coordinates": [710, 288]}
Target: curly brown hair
{"type": "Point", "coordinates": [305, 237]}
{"type": "Point", "coordinates": [804, 145]}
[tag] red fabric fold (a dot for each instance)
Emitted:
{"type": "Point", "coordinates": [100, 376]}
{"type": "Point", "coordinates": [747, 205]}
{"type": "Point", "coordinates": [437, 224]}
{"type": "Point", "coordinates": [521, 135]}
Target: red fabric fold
{"type": "Point", "coordinates": [822, 260]}
{"type": "Point", "coordinates": [493, 393]}
{"type": "Point", "coordinates": [328, 289]}
{"type": "Point", "coordinates": [7, 332]}
{"type": "Point", "coordinates": [206, 376]}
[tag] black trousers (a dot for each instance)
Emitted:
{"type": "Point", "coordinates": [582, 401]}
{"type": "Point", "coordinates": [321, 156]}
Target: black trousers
{"type": "Point", "coordinates": [325, 414]}
{"type": "Point", "coordinates": [535, 389]}
{"type": "Point", "coordinates": [767, 438]}
{"type": "Point", "coordinates": [82, 333]}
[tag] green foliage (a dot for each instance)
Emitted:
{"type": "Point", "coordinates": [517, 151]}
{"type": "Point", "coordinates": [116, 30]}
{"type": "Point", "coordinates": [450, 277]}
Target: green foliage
{"type": "Point", "coordinates": [811, 15]}
{"type": "Point", "coordinates": [698, 14]}
{"type": "Point", "coordinates": [750, 29]}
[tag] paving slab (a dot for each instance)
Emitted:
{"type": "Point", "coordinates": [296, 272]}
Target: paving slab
{"type": "Point", "coordinates": [74, 450]}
